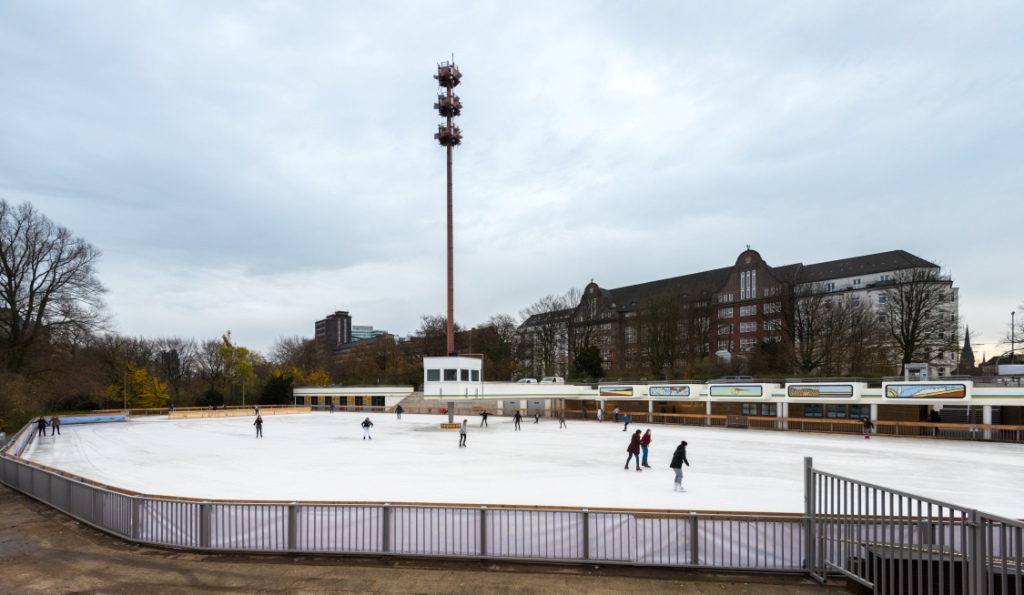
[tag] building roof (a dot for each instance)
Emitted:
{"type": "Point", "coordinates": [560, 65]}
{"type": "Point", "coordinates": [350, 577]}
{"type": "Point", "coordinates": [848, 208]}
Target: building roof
{"type": "Point", "coordinates": [545, 318]}
{"type": "Point", "coordinates": [687, 287]}
{"type": "Point", "coordinates": [894, 260]}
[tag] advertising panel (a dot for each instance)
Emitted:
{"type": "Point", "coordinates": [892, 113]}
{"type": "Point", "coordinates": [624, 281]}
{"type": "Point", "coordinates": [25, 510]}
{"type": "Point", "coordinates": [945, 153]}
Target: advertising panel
{"type": "Point", "coordinates": [672, 390]}
{"type": "Point", "coordinates": [919, 390]}
{"type": "Point", "coordinates": [820, 391]}
{"type": "Point", "coordinates": [616, 391]}
{"type": "Point", "coordinates": [749, 391]}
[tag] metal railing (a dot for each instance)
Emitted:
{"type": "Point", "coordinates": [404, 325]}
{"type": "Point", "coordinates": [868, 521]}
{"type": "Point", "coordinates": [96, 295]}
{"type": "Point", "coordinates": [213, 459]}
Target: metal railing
{"type": "Point", "coordinates": [755, 542]}
{"type": "Point", "coordinates": [899, 543]}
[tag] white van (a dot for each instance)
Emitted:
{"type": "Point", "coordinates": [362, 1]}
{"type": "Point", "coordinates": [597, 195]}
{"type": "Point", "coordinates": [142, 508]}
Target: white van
{"type": "Point", "coordinates": [552, 380]}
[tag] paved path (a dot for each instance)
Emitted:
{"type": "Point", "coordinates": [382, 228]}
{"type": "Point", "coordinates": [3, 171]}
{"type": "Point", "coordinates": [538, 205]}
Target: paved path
{"type": "Point", "coordinates": [44, 551]}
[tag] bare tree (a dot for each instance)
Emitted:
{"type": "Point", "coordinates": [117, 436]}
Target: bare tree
{"type": "Point", "coordinates": [48, 284]}
{"type": "Point", "coordinates": [660, 322]}
{"type": "Point", "coordinates": [175, 362]}
{"type": "Point", "coordinates": [210, 364]}
{"type": "Point", "coordinates": [433, 335]}
{"type": "Point", "coordinates": [916, 315]}
{"type": "Point", "coordinates": [545, 335]}
{"type": "Point", "coordinates": [498, 341]}
{"type": "Point", "coordinates": [302, 354]}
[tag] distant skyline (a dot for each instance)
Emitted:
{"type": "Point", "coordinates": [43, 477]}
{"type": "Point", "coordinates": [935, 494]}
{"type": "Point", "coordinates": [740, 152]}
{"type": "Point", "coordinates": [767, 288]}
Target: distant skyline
{"type": "Point", "coordinates": [257, 167]}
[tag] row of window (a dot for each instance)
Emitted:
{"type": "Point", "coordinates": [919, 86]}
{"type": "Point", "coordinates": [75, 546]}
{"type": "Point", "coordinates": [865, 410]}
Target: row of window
{"type": "Point", "coordinates": [770, 308]}
{"type": "Point", "coordinates": [454, 375]}
{"type": "Point", "coordinates": [343, 401]}
{"type": "Point", "coordinates": [837, 411]}
{"type": "Point", "coordinates": [774, 324]}
{"type": "Point", "coordinates": [748, 285]}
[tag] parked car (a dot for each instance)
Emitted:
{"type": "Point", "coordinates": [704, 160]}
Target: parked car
{"type": "Point", "coordinates": [734, 379]}
{"type": "Point", "coordinates": [527, 381]}
{"type": "Point", "coordinates": [552, 380]}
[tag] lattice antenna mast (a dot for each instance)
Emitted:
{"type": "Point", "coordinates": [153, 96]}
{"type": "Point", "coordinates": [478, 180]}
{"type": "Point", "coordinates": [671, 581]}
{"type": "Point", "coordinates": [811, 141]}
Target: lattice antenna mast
{"type": "Point", "coordinates": [449, 135]}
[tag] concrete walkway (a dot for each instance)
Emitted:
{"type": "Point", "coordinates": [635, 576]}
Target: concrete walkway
{"type": "Point", "coordinates": [44, 551]}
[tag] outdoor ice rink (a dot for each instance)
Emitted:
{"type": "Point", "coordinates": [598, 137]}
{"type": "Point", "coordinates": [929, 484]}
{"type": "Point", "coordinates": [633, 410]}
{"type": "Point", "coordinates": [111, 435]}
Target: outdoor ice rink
{"type": "Point", "coordinates": [323, 457]}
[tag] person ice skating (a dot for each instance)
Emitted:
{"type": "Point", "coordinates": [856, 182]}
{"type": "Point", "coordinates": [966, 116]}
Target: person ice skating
{"type": "Point", "coordinates": [256, 410]}
{"type": "Point", "coordinates": [367, 424]}
{"type": "Point", "coordinates": [868, 426]}
{"type": "Point", "coordinates": [41, 426]}
{"type": "Point", "coordinates": [584, 413]}
{"type": "Point", "coordinates": [259, 426]}
{"type": "Point", "coordinates": [561, 420]}
{"type": "Point", "coordinates": [172, 407]}
{"type": "Point", "coordinates": [462, 434]}
{"type": "Point", "coordinates": [332, 406]}
{"type": "Point", "coordinates": [678, 458]}
{"type": "Point", "coordinates": [398, 411]}
{"type": "Point", "coordinates": [517, 419]}
{"type": "Point", "coordinates": [634, 450]}
{"type": "Point", "coordinates": [536, 417]}
{"type": "Point", "coordinates": [600, 415]}
{"type": "Point", "coordinates": [616, 412]}
{"type": "Point", "coordinates": [626, 419]}
{"type": "Point", "coordinates": [55, 425]}
{"type": "Point", "coordinates": [483, 419]}
{"type": "Point", "coordinates": [645, 442]}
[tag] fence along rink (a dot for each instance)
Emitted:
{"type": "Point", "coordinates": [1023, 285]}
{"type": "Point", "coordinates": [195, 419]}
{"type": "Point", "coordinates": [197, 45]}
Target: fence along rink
{"type": "Point", "coordinates": [894, 542]}
{"type": "Point", "coordinates": [759, 542]}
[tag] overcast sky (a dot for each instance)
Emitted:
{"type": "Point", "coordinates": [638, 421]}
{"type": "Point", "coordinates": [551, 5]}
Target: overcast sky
{"type": "Point", "coordinates": [255, 166]}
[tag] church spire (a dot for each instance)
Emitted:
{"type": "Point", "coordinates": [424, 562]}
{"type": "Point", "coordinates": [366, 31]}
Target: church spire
{"type": "Point", "coordinates": [967, 354]}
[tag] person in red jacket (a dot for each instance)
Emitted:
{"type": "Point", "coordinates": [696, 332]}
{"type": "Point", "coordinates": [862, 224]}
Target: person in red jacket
{"type": "Point", "coordinates": [645, 442]}
{"type": "Point", "coordinates": [634, 450]}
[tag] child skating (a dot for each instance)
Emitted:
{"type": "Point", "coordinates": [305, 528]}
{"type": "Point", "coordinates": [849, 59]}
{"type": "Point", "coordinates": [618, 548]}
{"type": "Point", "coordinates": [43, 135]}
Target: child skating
{"type": "Point", "coordinates": [367, 424]}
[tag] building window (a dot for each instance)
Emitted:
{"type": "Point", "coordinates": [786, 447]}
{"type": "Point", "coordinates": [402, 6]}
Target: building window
{"type": "Point", "coordinates": [773, 308]}
{"type": "Point", "coordinates": [725, 329]}
{"type": "Point", "coordinates": [630, 334]}
{"type": "Point", "coordinates": [476, 375]}
{"type": "Point", "coordinates": [830, 286]}
{"type": "Point", "coordinates": [750, 409]}
{"type": "Point", "coordinates": [748, 310]}
{"type": "Point", "coordinates": [881, 298]}
{"type": "Point", "coordinates": [377, 401]}
{"type": "Point", "coordinates": [359, 401]}
{"type": "Point", "coordinates": [855, 302]}
{"type": "Point", "coordinates": [725, 313]}
{"type": "Point", "coordinates": [856, 283]}
{"type": "Point", "coordinates": [812, 410]}
{"type": "Point", "coordinates": [433, 375]}
{"type": "Point", "coordinates": [768, 409]}
{"type": "Point", "coordinates": [725, 345]}
{"type": "Point", "coordinates": [748, 327]}
{"type": "Point", "coordinates": [860, 411]}
{"type": "Point", "coordinates": [451, 375]}
{"type": "Point", "coordinates": [884, 277]}
{"type": "Point", "coordinates": [835, 411]}
{"type": "Point", "coordinates": [942, 372]}
{"type": "Point", "coordinates": [342, 401]}
{"type": "Point", "coordinates": [774, 324]}
{"type": "Point", "coordinates": [328, 400]}
{"type": "Point", "coordinates": [314, 400]}
{"type": "Point", "coordinates": [747, 344]}
{"type": "Point", "coordinates": [464, 375]}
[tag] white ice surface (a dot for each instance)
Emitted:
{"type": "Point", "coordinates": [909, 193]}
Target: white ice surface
{"type": "Point", "coordinates": [322, 456]}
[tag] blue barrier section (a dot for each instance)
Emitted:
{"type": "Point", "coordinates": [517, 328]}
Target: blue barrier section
{"type": "Point", "coordinates": [91, 419]}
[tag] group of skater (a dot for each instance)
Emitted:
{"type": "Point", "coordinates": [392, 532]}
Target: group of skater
{"type": "Point", "coordinates": [641, 443]}
{"type": "Point", "coordinates": [54, 424]}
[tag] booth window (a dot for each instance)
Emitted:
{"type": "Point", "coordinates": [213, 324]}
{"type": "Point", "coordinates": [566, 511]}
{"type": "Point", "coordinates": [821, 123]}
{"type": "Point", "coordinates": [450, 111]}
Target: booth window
{"type": "Point", "coordinates": [464, 376]}
{"type": "Point", "coordinates": [476, 375]}
{"type": "Point", "coordinates": [433, 375]}
{"type": "Point", "coordinates": [451, 375]}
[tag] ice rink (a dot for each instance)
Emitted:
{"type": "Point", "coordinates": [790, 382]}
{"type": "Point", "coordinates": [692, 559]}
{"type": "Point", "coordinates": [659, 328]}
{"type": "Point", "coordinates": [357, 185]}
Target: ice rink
{"type": "Point", "coordinates": [323, 457]}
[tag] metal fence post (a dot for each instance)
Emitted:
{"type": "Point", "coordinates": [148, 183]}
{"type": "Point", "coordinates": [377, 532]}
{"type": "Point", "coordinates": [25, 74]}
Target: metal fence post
{"type": "Point", "coordinates": [136, 530]}
{"type": "Point", "coordinates": [205, 511]}
{"type": "Point", "coordinates": [976, 563]}
{"type": "Point", "coordinates": [809, 549]}
{"type": "Point", "coordinates": [385, 538]}
{"type": "Point", "coordinates": [293, 526]}
{"type": "Point", "coordinates": [694, 540]}
{"type": "Point", "coordinates": [483, 530]}
{"type": "Point", "coordinates": [97, 506]}
{"type": "Point", "coordinates": [586, 534]}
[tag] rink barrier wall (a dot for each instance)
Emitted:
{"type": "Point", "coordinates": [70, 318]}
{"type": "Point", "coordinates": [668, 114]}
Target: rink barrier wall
{"type": "Point", "coordinates": [898, 543]}
{"type": "Point", "coordinates": [750, 542]}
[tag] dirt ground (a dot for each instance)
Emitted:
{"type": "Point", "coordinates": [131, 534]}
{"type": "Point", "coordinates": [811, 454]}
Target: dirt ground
{"type": "Point", "coordinates": [44, 551]}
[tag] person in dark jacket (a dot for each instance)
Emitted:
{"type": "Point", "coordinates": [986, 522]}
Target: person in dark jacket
{"type": "Point", "coordinates": [483, 419]}
{"type": "Point", "coordinates": [398, 411]}
{"type": "Point", "coordinates": [517, 419]}
{"type": "Point", "coordinates": [41, 426]}
{"type": "Point", "coordinates": [678, 458]}
{"type": "Point", "coordinates": [868, 426]}
{"type": "Point", "coordinates": [367, 424]}
{"type": "Point", "coordinates": [259, 426]}
{"type": "Point", "coordinates": [634, 450]}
